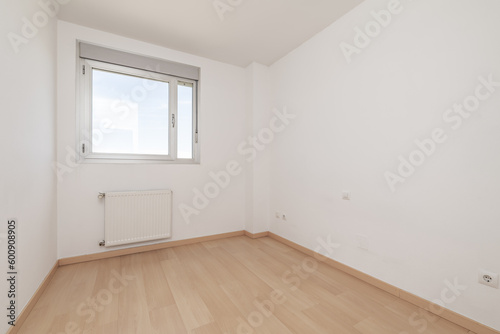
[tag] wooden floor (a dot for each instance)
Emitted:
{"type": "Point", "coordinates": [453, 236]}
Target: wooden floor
{"type": "Point", "coordinates": [236, 285]}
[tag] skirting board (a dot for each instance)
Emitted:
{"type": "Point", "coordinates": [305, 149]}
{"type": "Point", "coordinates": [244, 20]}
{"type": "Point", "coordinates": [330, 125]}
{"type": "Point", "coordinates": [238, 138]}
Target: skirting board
{"type": "Point", "coordinates": [32, 302]}
{"type": "Point", "coordinates": [473, 326]}
{"type": "Point", "coordinates": [342, 267]}
{"type": "Point", "coordinates": [142, 249]}
{"type": "Point", "coordinates": [256, 235]}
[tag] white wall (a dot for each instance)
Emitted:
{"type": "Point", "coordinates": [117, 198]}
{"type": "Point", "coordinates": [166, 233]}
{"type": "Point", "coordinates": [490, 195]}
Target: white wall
{"type": "Point", "coordinates": [257, 166]}
{"type": "Point", "coordinates": [28, 186]}
{"type": "Point", "coordinates": [355, 119]}
{"type": "Point", "coordinates": [222, 121]}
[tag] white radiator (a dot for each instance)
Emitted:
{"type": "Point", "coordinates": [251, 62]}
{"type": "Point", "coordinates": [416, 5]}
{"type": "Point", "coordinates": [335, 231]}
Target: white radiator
{"type": "Point", "coordinates": [131, 217]}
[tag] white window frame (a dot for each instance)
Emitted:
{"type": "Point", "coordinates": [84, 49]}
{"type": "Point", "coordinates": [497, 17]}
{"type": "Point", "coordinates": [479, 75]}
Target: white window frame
{"type": "Point", "coordinates": [84, 121]}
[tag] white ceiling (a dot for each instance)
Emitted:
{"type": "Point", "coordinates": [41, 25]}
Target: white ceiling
{"type": "Point", "coordinates": [255, 30]}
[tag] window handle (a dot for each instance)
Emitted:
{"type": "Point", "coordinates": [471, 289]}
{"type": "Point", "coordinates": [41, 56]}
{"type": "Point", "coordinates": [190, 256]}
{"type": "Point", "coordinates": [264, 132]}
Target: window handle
{"type": "Point", "coordinates": [173, 120]}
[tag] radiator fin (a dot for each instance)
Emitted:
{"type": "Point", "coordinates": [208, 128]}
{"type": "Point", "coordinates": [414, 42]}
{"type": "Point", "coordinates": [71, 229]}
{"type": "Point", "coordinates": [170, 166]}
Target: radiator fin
{"type": "Point", "coordinates": [132, 217]}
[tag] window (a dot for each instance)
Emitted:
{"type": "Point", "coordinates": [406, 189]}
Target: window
{"type": "Point", "coordinates": [135, 108]}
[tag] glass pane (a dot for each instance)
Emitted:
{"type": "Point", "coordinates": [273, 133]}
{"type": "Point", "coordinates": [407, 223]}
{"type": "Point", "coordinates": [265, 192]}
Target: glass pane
{"type": "Point", "coordinates": [185, 121]}
{"type": "Point", "coordinates": [130, 115]}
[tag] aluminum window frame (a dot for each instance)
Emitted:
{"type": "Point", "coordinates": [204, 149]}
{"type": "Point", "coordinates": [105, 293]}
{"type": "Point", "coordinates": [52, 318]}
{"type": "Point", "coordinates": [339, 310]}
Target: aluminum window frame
{"type": "Point", "coordinates": [85, 68]}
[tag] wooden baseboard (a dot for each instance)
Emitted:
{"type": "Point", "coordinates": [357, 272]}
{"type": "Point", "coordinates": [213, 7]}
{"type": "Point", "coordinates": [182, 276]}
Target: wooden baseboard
{"type": "Point", "coordinates": [256, 235]}
{"type": "Point", "coordinates": [32, 302]}
{"type": "Point", "coordinates": [142, 249]}
{"type": "Point", "coordinates": [473, 326]}
{"type": "Point", "coordinates": [340, 266]}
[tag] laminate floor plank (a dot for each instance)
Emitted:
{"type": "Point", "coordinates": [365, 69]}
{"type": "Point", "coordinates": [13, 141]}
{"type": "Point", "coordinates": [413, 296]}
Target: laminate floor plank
{"type": "Point", "coordinates": [230, 286]}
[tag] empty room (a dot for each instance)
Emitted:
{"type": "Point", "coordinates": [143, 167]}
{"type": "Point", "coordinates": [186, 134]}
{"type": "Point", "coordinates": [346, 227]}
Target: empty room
{"type": "Point", "coordinates": [250, 166]}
